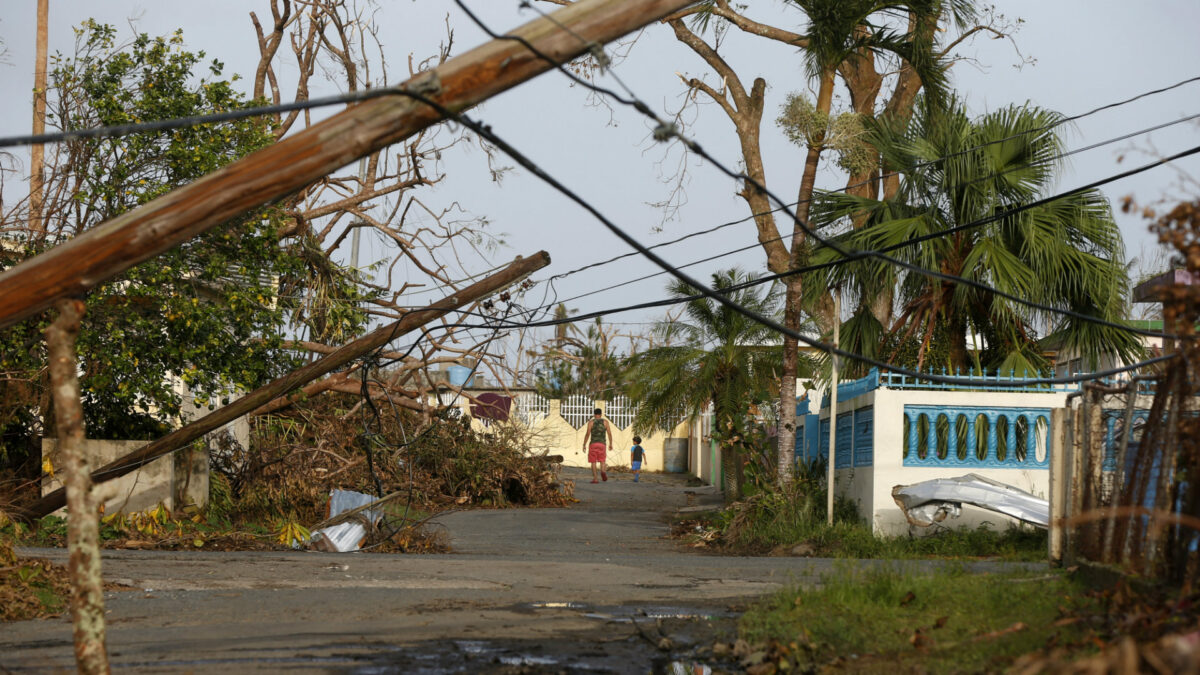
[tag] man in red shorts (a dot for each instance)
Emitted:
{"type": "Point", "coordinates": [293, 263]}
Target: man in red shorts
{"type": "Point", "coordinates": [593, 442]}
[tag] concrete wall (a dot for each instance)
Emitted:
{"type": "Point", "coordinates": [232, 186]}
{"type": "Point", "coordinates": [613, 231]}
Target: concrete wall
{"type": "Point", "coordinates": [871, 486]}
{"type": "Point", "coordinates": [177, 480]}
{"type": "Point", "coordinates": [552, 434]}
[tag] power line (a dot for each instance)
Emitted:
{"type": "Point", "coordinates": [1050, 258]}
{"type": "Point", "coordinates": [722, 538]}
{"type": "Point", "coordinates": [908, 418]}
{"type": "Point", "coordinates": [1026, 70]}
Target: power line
{"type": "Point", "coordinates": [118, 130]}
{"type": "Point", "coordinates": [666, 130]}
{"type": "Point", "coordinates": [193, 120]}
{"type": "Point", "coordinates": [966, 183]}
{"type": "Point", "coordinates": [932, 377]}
{"type": "Point", "coordinates": [487, 133]}
{"type": "Point", "coordinates": [911, 241]}
{"type": "Point", "coordinates": [602, 58]}
{"type": "Point", "coordinates": [950, 277]}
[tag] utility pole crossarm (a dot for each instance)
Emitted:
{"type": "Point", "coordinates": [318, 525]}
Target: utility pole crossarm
{"type": "Point", "coordinates": [74, 267]}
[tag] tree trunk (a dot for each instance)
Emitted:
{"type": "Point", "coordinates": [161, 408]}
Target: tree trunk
{"type": "Point", "coordinates": [730, 472]}
{"type": "Point", "coordinates": [957, 349]}
{"type": "Point", "coordinates": [785, 455]}
{"type": "Point", "coordinates": [794, 286]}
{"type": "Point", "coordinates": [83, 526]}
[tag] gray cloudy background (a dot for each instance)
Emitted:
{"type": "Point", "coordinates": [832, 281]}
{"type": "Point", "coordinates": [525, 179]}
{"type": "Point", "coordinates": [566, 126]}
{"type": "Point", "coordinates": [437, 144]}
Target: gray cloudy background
{"type": "Point", "coordinates": [1088, 54]}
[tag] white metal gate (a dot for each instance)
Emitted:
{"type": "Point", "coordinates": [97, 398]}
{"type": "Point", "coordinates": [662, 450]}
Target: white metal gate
{"type": "Point", "coordinates": [532, 408]}
{"type": "Point", "coordinates": [620, 411]}
{"type": "Point", "coordinates": [577, 410]}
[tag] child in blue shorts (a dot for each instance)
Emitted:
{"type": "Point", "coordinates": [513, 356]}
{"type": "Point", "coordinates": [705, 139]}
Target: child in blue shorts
{"type": "Point", "coordinates": [636, 455]}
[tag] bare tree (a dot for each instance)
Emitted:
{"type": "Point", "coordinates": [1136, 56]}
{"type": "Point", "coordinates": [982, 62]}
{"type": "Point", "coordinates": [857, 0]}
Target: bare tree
{"type": "Point", "coordinates": [335, 43]}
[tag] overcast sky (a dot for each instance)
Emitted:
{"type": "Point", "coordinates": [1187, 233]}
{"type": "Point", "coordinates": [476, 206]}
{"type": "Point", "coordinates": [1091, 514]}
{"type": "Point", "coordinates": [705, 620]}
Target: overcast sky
{"type": "Point", "coordinates": [1087, 54]}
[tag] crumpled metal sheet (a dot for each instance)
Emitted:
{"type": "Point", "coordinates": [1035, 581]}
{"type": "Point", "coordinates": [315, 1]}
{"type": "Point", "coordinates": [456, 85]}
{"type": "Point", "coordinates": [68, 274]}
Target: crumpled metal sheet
{"type": "Point", "coordinates": [346, 537]}
{"type": "Point", "coordinates": [933, 512]}
{"type": "Point", "coordinates": [932, 501]}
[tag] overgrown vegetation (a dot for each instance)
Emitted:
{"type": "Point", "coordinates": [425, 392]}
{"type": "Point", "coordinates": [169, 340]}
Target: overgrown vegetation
{"type": "Point", "coordinates": [579, 361]}
{"type": "Point", "coordinates": [713, 356]}
{"type": "Point", "coordinates": [296, 458]}
{"type": "Point", "coordinates": [888, 619]}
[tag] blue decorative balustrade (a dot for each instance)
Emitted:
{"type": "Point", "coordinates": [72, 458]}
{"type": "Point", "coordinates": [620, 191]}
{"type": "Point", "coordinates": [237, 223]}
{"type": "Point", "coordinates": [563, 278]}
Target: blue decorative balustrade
{"type": "Point", "coordinates": [854, 388]}
{"type": "Point", "coordinates": [971, 436]}
{"type": "Point", "coordinates": [971, 381]}
{"type": "Point", "coordinates": [976, 381]}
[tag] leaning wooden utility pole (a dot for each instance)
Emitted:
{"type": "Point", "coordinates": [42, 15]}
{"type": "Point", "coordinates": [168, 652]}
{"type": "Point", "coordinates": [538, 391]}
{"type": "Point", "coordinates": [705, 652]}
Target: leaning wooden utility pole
{"type": "Point", "coordinates": [73, 268]}
{"type": "Point", "coordinates": [514, 273]}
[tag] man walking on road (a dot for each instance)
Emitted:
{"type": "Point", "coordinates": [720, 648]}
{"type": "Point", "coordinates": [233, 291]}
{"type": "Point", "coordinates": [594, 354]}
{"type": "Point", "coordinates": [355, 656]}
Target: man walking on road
{"type": "Point", "coordinates": [595, 433]}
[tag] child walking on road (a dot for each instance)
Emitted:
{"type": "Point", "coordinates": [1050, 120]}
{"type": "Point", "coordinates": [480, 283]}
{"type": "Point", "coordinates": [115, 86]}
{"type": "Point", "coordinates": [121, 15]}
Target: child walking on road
{"type": "Point", "coordinates": [636, 455]}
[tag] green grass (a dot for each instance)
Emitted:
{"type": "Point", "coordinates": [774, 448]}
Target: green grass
{"type": "Point", "coordinates": [766, 531]}
{"type": "Point", "coordinates": [51, 600]}
{"type": "Point", "coordinates": [964, 622]}
{"type": "Point", "coordinates": [855, 540]}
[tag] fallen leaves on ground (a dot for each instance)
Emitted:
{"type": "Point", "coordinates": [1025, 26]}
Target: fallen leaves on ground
{"type": "Point", "coordinates": [32, 589]}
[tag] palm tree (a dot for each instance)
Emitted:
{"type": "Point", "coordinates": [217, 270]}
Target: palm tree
{"type": "Point", "coordinates": [1065, 254]}
{"type": "Point", "coordinates": [715, 356]}
{"type": "Point", "coordinates": [839, 34]}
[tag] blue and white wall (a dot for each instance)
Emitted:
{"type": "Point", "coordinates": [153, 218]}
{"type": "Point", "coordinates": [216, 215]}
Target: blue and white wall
{"type": "Point", "coordinates": [890, 433]}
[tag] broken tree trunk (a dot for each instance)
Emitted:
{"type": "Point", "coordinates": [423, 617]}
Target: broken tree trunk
{"type": "Point", "coordinates": [514, 273]}
{"type": "Point", "coordinates": [83, 524]}
{"type": "Point", "coordinates": [72, 268]}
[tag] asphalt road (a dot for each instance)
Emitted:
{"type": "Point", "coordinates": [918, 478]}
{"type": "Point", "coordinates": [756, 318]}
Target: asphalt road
{"type": "Point", "coordinates": [525, 590]}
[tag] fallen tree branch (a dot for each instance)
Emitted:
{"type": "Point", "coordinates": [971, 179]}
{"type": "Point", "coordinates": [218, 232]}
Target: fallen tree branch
{"type": "Point", "coordinates": [518, 270]}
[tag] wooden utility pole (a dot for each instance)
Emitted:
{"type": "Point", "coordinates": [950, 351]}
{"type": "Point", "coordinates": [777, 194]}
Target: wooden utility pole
{"type": "Point", "coordinates": [518, 270]}
{"type": "Point", "coordinates": [73, 268]}
{"type": "Point", "coordinates": [37, 152]}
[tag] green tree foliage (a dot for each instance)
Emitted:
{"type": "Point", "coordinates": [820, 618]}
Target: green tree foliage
{"type": "Point", "coordinates": [206, 314]}
{"type": "Point", "coordinates": [1065, 254]}
{"type": "Point", "coordinates": [580, 362]}
{"type": "Point", "coordinates": [713, 355]}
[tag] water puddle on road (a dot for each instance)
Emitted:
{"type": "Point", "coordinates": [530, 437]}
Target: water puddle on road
{"type": "Point", "coordinates": [626, 613]}
{"type": "Point", "coordinates": [485, 656]}
{"type": "Point", "coordinates": [632, 649]}
{"type": "Point", "coordinates": [556, 605]}
{"type": "Point", "coordinates": [571, 656]}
